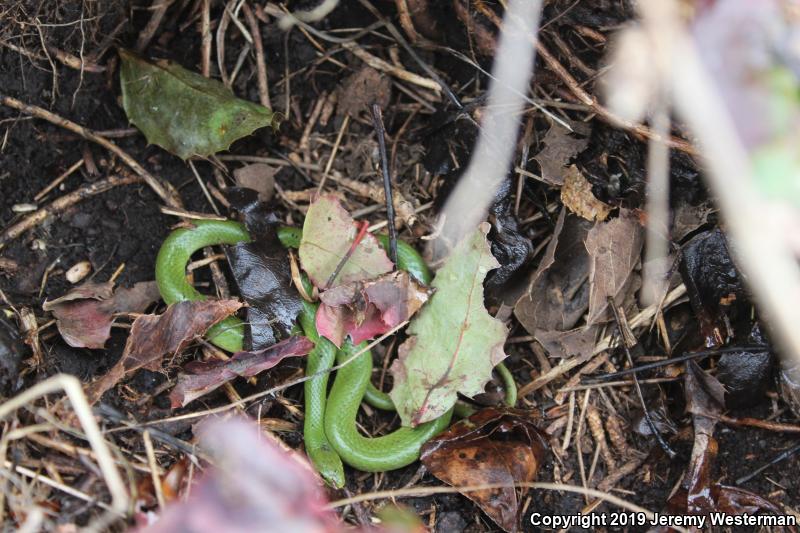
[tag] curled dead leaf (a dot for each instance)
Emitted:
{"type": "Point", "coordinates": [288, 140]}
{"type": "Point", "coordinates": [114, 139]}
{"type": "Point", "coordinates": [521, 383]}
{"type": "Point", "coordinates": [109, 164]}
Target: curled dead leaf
{"type": "Point", "coordinates": [84, 315]}
{"type": "Point", "coordinates": [577, 195]}
{"type": "Point", "coordinates": [493, 446]}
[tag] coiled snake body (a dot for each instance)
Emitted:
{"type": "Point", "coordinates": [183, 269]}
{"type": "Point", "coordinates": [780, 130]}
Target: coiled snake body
{"type": "Point", "coordinates": [330, 431]}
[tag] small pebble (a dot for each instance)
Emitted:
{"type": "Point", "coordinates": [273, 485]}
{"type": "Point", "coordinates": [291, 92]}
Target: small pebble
{"type": "Point", "coordinates": [78, 271]}
{"type": "Point", "coordinates": [23, 208]}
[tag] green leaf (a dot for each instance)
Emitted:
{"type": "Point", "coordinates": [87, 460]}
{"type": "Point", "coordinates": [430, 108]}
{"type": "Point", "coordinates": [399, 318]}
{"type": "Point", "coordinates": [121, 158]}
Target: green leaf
{"type": "Point", "coordinates": [454, 341]}
{"type": "Point", "coordinates": [183, 112]}
{"type": "Point", "coordinates": [328, 233]}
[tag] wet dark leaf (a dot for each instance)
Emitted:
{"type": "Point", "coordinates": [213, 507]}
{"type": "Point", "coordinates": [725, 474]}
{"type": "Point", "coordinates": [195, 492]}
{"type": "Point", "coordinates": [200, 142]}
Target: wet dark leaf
{"type": "Point", "coordinates": [712, 283]}
{"type": "Point", "coordinates": [263, 274]}
{"type": "Point", "coordinates": [202, 377]}
{"type": "Point", "coordinates": [509, 246]}
{"type": "Point", "coordinates": [746, 374]}
{"type": "Point", "coordinates": [366, 309]}
{"type": "Point", "coordinates": [255, 485]}
{"type": "Point", "coordinates": [558, 292]}
{"type": "Point", "coordinates": [153, 336]}
{"type": "Point", "coordinates": [84, 315]}
{"type": "Point", "coordinates": [493, 446]}
{"type": "Point", "coordinates": [615, 249]}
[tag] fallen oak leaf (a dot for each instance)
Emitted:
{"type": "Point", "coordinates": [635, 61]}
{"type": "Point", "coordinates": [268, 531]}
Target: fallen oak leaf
{"type": "Point", "coordinates": [454, 343]}
{"type": "Point", "coordinates": [184, 112]}
{"type": "Point", "coordinates": [153, 336]}
{"type": "Point", "coordinates": [202, 377]}
{"type": "Point", "coordinates": [493, 446]}
{"type": "Point", "coordinates": [366, 309]}
{"type": "Point", "coordinates": [84, 315]}
{"type": "Point", "coordinates": [328, 235]}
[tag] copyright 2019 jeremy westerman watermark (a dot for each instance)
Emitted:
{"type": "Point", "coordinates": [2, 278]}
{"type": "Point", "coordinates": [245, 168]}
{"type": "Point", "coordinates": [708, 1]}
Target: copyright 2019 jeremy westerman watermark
{"type": "Point", "coordinates": [626, 519]}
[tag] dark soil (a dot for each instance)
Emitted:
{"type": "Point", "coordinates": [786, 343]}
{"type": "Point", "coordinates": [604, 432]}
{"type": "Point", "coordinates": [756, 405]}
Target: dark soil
{"type": "Point", "coordinates": [125, 226]}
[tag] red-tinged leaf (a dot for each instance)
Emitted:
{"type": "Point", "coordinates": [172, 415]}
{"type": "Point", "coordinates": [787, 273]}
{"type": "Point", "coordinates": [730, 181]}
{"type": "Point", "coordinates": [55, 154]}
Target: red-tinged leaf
{"type": "Point", "coordinates": [493, 446]}
{"type": "Point", "coordinates": [202, 377]}
{"type": "Point", "coordinates": [255, 485]}
{"type": "Point", "coordinates": [153, 336]}
{"type": "Point", "coordinates": [328, 234]}
{"type": "Point", "coordinates": [364, 310]}
{"type": "Point", "coordinates": [84, 315]}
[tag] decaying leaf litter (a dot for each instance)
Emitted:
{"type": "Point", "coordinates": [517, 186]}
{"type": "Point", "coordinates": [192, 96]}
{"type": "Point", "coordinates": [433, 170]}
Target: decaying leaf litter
{"type": "Point", "coordinates": [567, 230]}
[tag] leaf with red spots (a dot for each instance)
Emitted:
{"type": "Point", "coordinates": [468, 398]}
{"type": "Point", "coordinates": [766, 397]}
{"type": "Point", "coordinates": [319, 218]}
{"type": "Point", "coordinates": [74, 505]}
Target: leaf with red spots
{"type": "Point", "coordinates": [454, 342]}
{"type": "Point", "coordinates": [493, 446]}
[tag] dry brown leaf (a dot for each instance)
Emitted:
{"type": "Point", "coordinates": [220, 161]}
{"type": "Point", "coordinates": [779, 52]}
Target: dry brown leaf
{"type": "Point", "coordinates": [576, 194]}
{"type": "Point", "coordinates": [615, 249]}
{"type": "Point", "coordinates": [153, 336]}
{"type": "Point", "coordinates": [558, 294]}
{"type": "Point", "coordinates": [259, 176]}
{"type": "Point", "coordinates": [493, 446]}
{"type": "Point", "coordinates": [559, 148]}
{"type": "Point", "coordinates": [84, 315]}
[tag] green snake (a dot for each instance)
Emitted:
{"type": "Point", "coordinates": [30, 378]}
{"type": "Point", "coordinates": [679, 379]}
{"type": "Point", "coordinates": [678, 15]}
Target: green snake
{"type": "Point", "coordinates": [330, 431]}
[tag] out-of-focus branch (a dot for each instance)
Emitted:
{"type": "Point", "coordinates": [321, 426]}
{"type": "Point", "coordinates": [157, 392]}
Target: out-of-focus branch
{"type": "Point", "coordinates": [512, 71]}
{"type": "Point", "coordinates": [762, 249]}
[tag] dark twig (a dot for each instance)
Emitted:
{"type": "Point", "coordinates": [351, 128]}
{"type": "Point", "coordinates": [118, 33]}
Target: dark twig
{"type": "Point", "coordinates": [672, 360]}
{"type": "Point", "coordinates": [775, 460]}
{"type": "Point", "coordinates": [377, 121]}
{"type": "Point", "coordinates": [362, 230]}
{"type": "Point", "coordinates": [661, 442]}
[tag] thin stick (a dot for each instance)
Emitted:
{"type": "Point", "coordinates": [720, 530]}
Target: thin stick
{"type": "Point", "coordinates": [56, 182]}
{"type": "Point", "coordinates": [59, 486]}
{"type": "Point", "coordinates": [164, 190]}
{"type": "Point", "coordinates": [672, 360]}
{"type": "Point", "coordinates": [151, 459]}
{"type": "Point", "coordinates": [261, 65]}
{"type": "Point", "coordinates": [335, 149]}
{"type": "Point", "coordinates": [61, 204]}
{"type": "Point", "coordinates": [657, 434]}
{"type": "Point", "coordinates": [377, 121]}
{"type": "Point", "coordinates": [159, 10]}
{"type": "Point", "coordinates": [205, 39]}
